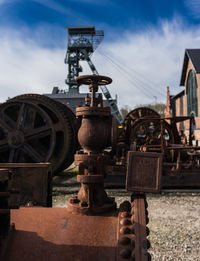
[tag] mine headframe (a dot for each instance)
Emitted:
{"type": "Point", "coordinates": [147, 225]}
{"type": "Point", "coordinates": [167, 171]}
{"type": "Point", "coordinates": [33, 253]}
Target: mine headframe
{"type": "Point", "coordinates": [82, 42]}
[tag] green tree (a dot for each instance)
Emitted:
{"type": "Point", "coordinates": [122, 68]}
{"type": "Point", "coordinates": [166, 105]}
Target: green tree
{"type": "Point", "coordinates": [158, 107]}
{"type": "Point", "coordinates": [125, 110]}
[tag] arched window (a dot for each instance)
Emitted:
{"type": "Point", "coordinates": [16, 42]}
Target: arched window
{"type": "Point", "coordinates": [192, 104]}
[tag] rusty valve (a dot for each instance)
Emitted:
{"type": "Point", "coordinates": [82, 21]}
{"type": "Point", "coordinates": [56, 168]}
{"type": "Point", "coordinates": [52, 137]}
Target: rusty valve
{"type": "Point", "coordinates": [93, 81]}
{"type": "Point", "coordinates": [94, 135]}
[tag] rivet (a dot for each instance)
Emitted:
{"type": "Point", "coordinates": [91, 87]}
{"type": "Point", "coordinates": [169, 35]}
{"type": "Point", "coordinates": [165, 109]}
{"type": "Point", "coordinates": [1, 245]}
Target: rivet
{"type": "Point", "coordinates": [125, 214]}
{"type": "Point", "coordinates": [125, 253]}
{"type": "Point", "coordinates": [125, 206]}
{"type": "Point", "coordinates": [84, 204]}
{"type": "Point", "coordinates": [125, 230]}
{"type": "Point", "coordinates": [147, 231]}
{"type": "Point", "coordinates": [125, 222]}
{"type": "Point", "coordinates": [124, 240]}
{"type": "Point", "coordinates": [146, 244]}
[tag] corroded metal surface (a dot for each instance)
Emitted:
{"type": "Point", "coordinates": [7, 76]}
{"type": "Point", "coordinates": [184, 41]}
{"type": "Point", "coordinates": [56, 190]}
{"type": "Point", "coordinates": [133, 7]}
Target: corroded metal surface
{"type": "Point", "coordinates": [132, 230]}
{"type": "Point", "coordinates": [48, 126]}
{"type": "Point", "coordinates": [32, 181]}
{"type": "Point", "coordinates": [94, 135]}
{"type": "Point", "coordinates": [91, 228]}
{"type": "Point", "coordinates": [144, 171]}
{"type": "Point", "coordinates": [55, 234]}
{"type": "Point", "coordinates": [27, 133]}
{"type": "Point", "coordinates": [6, 230]}
{"type": "Point", "coordinates": [4, 203]}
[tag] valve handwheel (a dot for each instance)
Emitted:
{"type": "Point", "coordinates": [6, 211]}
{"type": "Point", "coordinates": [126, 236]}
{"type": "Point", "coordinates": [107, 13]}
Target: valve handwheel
{"type": "Point", "coordinates": [94, 79]}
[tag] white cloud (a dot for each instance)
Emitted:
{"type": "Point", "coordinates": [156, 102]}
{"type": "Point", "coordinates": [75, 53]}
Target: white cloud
{"type": "Point", "coordinates": [26, 67]}
{"type": "Point", "coordinates": [149, 56]}
{"type": "Point", "coordinates": [52, 5]}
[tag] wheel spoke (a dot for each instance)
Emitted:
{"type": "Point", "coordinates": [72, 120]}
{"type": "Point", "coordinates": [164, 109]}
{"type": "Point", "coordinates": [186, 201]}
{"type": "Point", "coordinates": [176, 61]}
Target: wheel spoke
{"type": "Point", "coordinates": [33, 117]}
{"type": "Point", "coordinates": [32, 153]}
{"type": "Point", "coordinates": [38, 132]}
{"type": "Point", "coordinates": [4, 125]}
{"type": "Point", "coordinates": [11, 156]}
{"type": "Point", "coordinates": [21, 117]}
{"type": "Point", "coordinates": [6, 122]}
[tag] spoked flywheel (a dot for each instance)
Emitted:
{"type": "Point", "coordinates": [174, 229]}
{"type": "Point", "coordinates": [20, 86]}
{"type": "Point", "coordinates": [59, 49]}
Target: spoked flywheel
{"type": "Point", "coordinates": [57, 146]}
{"type": "Point", "coordinates": [143, 126]}
{"type": "Point", "coordinates": [148, 132]}
{"type": "Point", "coordinates": [26, 133]}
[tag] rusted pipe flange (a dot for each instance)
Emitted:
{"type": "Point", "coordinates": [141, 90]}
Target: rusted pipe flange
{"type": "Point", "coordinates": [85, 157]}
{"type": "Point", "coordinates": [92, 111]}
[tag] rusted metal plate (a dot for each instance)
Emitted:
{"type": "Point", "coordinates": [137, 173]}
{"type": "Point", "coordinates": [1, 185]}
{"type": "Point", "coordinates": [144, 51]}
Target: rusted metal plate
{"type": "Point", "coordinates": [54, 234]}
{"type": "Point", "coordinates": [32, 180]}
{"type": "Point", "coordinates": [144, 171]}
{"type": "Point", "coordinates": [5, 243]}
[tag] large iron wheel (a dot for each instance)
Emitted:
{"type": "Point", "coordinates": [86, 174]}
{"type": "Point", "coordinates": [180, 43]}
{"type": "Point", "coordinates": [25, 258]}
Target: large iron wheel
{"type": "Point", "coordinates": [26, 133]}
{"type": "Point", "coordinates": [148, 132]}
{"type": "Point", "coordinates": [63, 123]}
{"type": "Point", "coordinates": [131, 119]}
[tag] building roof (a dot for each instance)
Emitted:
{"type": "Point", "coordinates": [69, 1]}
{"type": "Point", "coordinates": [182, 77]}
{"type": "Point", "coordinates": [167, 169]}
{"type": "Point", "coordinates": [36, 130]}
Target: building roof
{"type": "Point", "coordinates": [194, 56]}
{"type": "Point", "coordinates": [88, 30]}
{"type": "Point", "coordinates": [177, 95]}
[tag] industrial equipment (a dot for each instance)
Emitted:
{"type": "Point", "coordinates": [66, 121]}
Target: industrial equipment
{"type": "Point", "coordinates": [144, 130]}
{"type": "Point", "coordinates": [92, 227]}
{"type": "Point", "coordinates": [34, 129]}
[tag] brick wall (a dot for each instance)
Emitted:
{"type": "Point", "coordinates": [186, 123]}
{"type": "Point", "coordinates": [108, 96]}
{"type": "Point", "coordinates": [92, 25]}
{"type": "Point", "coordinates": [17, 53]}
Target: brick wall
{"type": "Point", "coordinates": [181, 106]}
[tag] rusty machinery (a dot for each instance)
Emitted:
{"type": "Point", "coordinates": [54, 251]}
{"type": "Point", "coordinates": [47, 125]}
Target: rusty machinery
{"type": "Point", "coordinates": [144, 130]}
{"type": "Point", "coordinates": [91, 227]}
{"type": "Point", "coordinates": [34, 129]}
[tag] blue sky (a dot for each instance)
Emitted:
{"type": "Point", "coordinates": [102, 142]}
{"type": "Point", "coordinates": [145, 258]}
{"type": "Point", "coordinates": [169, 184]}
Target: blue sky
{"type": "Point", "coordinates": [142, 50]}
{"type": "Point", "coordinates": [114, 16]}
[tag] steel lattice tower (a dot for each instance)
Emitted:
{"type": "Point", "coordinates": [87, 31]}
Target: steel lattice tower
{"type": "Point", "coordinates": [82, 42]}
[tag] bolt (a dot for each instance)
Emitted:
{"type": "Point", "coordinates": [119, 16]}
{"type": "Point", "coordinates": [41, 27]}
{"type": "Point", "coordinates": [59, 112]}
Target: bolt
{"type": "Point", "coordinates": [125, 230]}
{"type": "Point", "coordinates": [125, 253]}
{"type": "Point", "coordinates": [125, 215]}
{"type": "Point", "coordinates": [124, 240]}
{"type": "Point", "coordinates": [125, 222]}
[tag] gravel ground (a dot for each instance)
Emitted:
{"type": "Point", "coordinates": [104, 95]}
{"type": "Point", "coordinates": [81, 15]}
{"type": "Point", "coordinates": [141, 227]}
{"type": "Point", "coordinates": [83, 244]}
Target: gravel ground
{"type": "Point", "coordinates": [174, 220]}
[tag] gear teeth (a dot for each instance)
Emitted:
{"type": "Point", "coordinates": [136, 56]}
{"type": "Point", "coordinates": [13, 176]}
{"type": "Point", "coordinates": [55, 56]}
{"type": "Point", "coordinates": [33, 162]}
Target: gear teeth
{"type": "Point", "coordinates": [69, 129]}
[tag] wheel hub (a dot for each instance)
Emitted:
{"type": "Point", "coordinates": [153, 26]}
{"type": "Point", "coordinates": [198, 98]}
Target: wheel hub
{"type": "Point", "coordinates": [15, 138]}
